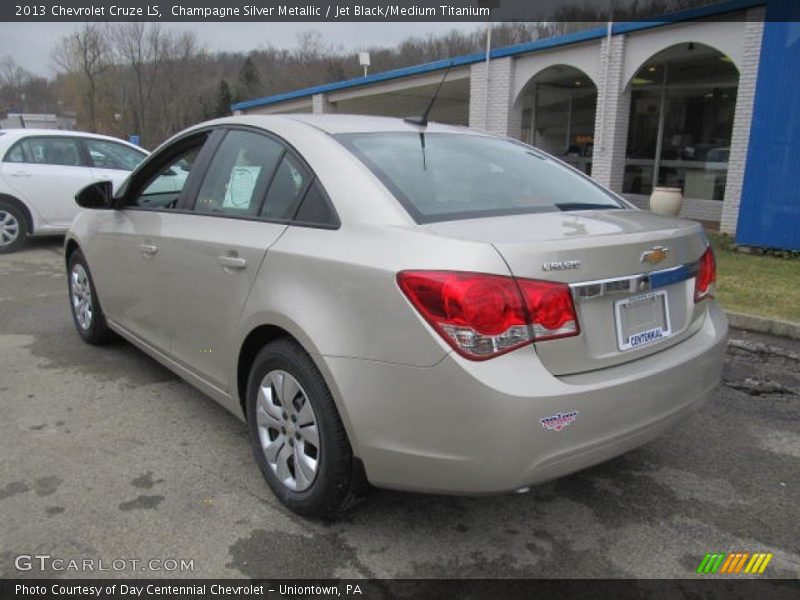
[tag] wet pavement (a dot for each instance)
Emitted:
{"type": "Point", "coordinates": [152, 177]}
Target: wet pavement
{"type": "Point", "coordinates": [108, 456]}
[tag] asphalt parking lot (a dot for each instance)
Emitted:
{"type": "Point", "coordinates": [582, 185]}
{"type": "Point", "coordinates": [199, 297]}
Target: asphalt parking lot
{"type": "Point", "coordinates": [107, 455]}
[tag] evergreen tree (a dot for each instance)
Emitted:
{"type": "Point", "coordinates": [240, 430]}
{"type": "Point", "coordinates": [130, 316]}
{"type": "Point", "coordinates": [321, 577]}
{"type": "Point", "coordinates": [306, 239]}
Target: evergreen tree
{"type": "Point", "coordinates": [224, 100]}
{"type": "Point", "coordinates": [249, 84]}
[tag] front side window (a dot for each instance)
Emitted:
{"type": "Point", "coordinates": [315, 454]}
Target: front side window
{"type": "Point", "coordinates": [111, 155]}
{"type": "Point", "coordinates": [239, 174]}
{"type": "Point", "coordinates": [443, 176]}
{"type": "Point", "coordinates": [163, 189]}
{"type": "Point", "coordinates": [61, 151]}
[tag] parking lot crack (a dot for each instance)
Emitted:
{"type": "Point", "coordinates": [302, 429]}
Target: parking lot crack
{"type": "Point", "coordinates": [759, 387]}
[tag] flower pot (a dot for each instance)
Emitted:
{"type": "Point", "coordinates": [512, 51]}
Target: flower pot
{"type": "Point", "coordinates": [666, 201]}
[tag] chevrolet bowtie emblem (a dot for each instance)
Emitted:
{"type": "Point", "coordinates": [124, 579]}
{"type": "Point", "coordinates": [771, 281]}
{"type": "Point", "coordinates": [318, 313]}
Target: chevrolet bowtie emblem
{"type": "Point", "coordinates": [654, 255]}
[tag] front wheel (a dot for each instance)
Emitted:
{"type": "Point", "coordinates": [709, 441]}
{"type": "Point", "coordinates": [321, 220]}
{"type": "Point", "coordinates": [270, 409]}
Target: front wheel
{"type": "Point", "coordinates": [13, 228]}
{"type": "Point", "coordinates": [296, 433]}
{"type": "Point", "coordinates": [86, 312]}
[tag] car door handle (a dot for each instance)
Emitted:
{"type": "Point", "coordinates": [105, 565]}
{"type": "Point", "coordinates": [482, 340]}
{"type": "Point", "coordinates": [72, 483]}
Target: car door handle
{"type": "Point", "coordinates": [232, 262]}
{"type": "Point", "coordinates": [20, 174]}
{"type": "Point", "coordinates": [148, 249]}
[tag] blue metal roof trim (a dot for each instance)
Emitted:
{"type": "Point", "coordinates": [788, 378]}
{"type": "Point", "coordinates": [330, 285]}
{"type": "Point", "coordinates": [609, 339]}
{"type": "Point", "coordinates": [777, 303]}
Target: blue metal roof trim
{"type": "Point", "coordinates": [467, 59]}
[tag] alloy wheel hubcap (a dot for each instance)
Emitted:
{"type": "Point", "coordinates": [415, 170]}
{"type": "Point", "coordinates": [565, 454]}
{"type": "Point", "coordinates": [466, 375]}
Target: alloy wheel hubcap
{"type": "Point", "coordinates": [81, 296]}
{"type": "Point", "coordinates": [9, 228]}
{"type": "Point", "coordinates": [287, 430]}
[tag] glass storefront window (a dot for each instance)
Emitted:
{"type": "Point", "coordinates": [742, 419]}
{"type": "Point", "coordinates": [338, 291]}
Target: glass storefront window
{"type": "Point", "coordinates": [558, 115]}
{"type": "Point", "coordinates": [642, 140]}
{"type": "Point", "coordinates": [682, 107]}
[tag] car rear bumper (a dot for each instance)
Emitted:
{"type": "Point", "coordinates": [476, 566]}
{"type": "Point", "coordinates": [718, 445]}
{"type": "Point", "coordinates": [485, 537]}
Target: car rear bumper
{"type": "Point", "coordinates": [476, 427]}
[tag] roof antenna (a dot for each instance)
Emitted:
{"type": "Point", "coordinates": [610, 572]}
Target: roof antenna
{"type": "Point", "coordinates": [422, 121]}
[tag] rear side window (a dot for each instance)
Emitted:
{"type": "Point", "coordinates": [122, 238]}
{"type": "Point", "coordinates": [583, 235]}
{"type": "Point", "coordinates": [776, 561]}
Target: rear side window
{"type": "Point", "coordinates": [62, 151]}
{"type": "Point", "coordinates": [290, 182]}
{"type": "Point", "coordinates": [237, 178]}
{"type": "Point", "coordinates": [111, 155]}
{"type": "Point", "coordinates": [316, 209]}
{"type": "Point", "coordinates": [442, 176]}
{"type": "Point", "coordinates": [17, 153]}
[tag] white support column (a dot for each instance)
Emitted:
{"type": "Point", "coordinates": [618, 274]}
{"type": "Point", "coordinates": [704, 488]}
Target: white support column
{"type": "Point", "coordinates": [501, 118]}
{"type": "Point", "coordinates": [611, 116]}
{"type": "Point", "coordinates": [740, 137]}
{"type": "Point", "coordinates": [321, 105]}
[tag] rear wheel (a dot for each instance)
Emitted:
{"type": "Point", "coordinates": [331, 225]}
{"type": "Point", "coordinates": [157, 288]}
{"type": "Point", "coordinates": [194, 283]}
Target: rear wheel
{"type": "Point", "coordinates": [296, 433]}
{"type": "Point", "coordinates": [13, 228]}
{"type": "Point", "coordinates": [86, 312]}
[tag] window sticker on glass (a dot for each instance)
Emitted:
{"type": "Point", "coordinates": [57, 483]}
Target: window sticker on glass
{"type": "Point", "coordinates": [240, 187]}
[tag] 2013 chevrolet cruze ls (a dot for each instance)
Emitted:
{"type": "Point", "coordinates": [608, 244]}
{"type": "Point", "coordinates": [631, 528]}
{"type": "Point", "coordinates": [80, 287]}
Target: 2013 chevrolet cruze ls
{"type": "Point", "coordinates": [422, 307]}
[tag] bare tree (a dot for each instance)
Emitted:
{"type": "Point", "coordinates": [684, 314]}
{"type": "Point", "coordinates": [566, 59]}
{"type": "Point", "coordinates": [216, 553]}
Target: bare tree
{"type": "Point", "coordinates": [142, 48]}
{"type": "Point", "coordinates": [88, 52]}
{"type": "Point", "coordinates": [12, 75]}
{"type": "Point", "coordinates": [13, 80]}
{"type": "Point", "coordinates": [178, 88]}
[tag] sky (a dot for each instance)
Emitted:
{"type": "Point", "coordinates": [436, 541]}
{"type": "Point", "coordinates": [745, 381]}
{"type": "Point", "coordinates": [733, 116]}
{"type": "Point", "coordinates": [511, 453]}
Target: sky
{"type": "Point", "coordinates": [16, 38]}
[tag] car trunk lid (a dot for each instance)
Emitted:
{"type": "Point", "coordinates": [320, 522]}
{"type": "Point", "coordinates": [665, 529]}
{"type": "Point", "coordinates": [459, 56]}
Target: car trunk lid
{"type": "Point", "coordinates": [630, 272]}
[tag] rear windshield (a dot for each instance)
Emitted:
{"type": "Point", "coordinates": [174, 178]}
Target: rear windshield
{"type": "Point", "coordinates": [445, 176]}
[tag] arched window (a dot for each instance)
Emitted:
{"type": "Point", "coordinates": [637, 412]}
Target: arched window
{"type": "Point", "coordinates": [681, 119]}
{"type": "Point", "coordinates": [558, 113]}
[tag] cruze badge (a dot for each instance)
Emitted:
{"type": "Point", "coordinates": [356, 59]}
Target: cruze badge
{"type": "Point", "coordinates": [559, 421]}
{"type": "Point", "coordinates": [560, 265]}
{"type": "Point", "coordinates": [655, 255]}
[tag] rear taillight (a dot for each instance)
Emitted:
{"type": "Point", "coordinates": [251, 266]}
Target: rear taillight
{"type": "Point", "coordinates": [706, 276]}
{"type": "Point", "coordinates": [482, 316]}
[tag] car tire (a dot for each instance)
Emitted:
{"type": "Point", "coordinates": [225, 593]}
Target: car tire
{"type": "Point", "coordinates": [84, 303]}
{"type": "Point", "coordinates": [337, 482]}
{"type": "Point", "coordinates": [13, 227]}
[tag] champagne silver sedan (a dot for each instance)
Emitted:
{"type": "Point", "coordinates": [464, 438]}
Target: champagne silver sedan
{"type": "Point", "coordinates": [416, 307]}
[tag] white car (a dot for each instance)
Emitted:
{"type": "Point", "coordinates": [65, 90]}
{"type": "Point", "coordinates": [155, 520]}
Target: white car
{"type": "Point", "coordinates": [43, 169]}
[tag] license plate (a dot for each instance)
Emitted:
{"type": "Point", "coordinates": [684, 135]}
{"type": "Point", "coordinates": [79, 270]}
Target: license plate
{"type": "Point", "coordinates": [642, 319]}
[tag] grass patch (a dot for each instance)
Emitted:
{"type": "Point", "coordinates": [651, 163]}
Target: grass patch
{"type": "Point", "coordinates": [761, 285]}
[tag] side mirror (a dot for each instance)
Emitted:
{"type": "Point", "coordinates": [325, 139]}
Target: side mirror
{"type": "Point", "coordinates": [96, 195]}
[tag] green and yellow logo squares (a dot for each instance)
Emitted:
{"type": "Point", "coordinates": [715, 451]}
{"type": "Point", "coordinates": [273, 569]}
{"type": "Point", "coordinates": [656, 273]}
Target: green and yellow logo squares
{"type": "Point", "coordinates": [735, 563]}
